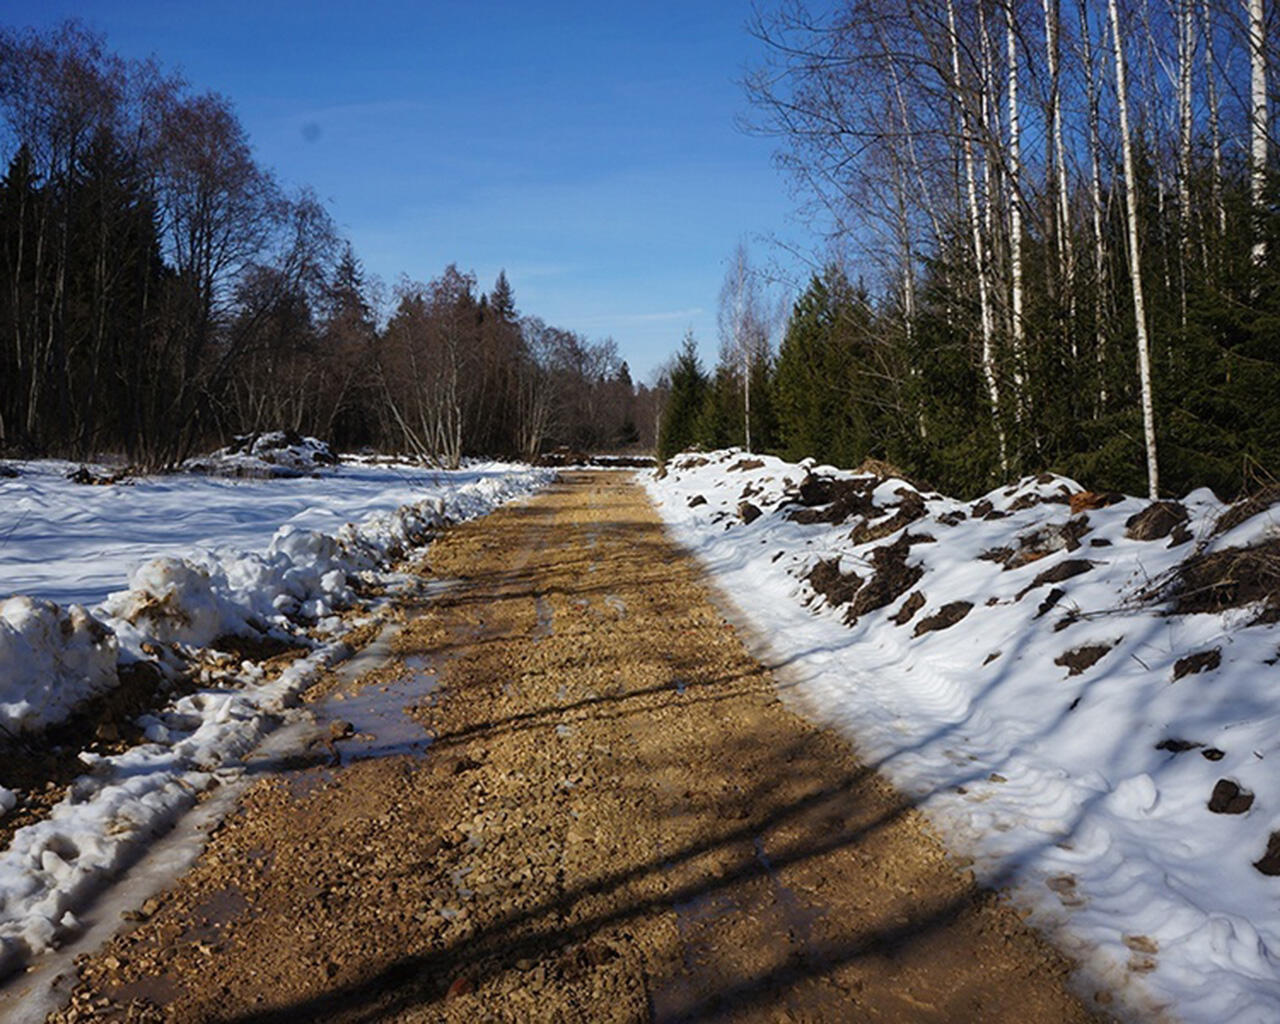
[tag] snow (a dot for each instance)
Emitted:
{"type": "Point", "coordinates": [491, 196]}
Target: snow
{"type": "Point", "coordinates": [204, 558]}
{"type": "Point", "coordinates": [1061, 784]}
{"type": "Point", "coordinates": [72, 543]}
{"type": "Point", "coordinates": [277, 453]}
{"type": "Point", "coordinates": [51, 659]}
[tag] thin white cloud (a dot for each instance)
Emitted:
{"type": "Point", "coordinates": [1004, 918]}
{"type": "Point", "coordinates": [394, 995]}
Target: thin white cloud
{"type": "Point", "coordinates": [627, 319]}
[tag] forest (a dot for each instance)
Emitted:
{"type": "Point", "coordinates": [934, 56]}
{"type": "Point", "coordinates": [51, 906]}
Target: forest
{"type": "Point", "coordinates": [160, 292]}
{"type": "Point", "coordinates": [1045, 237]}
{"type": "Point", "coordinates": [1051, 244]}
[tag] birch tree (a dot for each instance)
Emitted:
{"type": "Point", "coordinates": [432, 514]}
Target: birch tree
{"type": "Point", "coordinates": [1135, 255]}
{"type": "Point", "coordinates": [963, 127]}
{"type": "Point", "coordinates": [1258, 127]}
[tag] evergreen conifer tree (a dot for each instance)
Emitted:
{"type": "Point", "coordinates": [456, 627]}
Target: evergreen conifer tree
{"type": "Point", "coordinates": [689, 388]}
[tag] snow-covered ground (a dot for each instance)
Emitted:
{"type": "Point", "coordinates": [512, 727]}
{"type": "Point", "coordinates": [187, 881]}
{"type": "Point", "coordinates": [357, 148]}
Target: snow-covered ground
{"type": "Point", "coordinates": [1093, 716]}
{"type": "Point", "coordinates": [169, 565]}
{"type": "Point", "coordinates": [68, 542]}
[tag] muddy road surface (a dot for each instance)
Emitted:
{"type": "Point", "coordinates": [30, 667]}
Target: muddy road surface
{"type": "Point", "coordinates": [570, 794]}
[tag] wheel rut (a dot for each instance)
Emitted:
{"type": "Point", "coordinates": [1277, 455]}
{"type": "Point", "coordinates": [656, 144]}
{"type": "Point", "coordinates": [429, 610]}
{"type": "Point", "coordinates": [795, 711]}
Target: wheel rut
{"type": "Point", "coordinates": [615, 819]}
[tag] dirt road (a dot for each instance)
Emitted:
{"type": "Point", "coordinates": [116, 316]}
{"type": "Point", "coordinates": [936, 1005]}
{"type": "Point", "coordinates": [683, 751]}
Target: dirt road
{"type": "Point", "coordinates": [616, 820]}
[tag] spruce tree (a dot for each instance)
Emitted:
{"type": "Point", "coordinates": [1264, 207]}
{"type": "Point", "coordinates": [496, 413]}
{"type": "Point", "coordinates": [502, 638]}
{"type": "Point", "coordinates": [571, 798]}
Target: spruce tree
{"type": "Point", "coordinates": [689, 388]}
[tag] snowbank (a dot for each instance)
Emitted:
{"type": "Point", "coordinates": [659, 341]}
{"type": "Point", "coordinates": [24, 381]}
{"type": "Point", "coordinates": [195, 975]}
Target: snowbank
{"type": "Point", "coordinates": [74, 544]}
{"type": "Point", "coordinates": [1079, 688]}
{"type": "Point", "coordinates": [276, 453]}
{"type": "Point", "coordinates": [51, 659]}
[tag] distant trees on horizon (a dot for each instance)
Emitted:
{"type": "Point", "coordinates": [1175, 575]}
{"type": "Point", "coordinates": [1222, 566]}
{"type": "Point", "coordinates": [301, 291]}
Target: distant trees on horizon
{"type": "Point", "coordinates": [160, 291]}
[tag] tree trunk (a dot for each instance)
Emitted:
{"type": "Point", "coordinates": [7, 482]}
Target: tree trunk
{"type": "Point", "coordinates": [1257, 123]}
{"type": "Point", "coordinates": [1015, 203]}
{"type": "Point", "coordinates": [1135, 261]}
{"type": "Point", "coordinates": [1095, 196]}
{"type": "Point", "coordinates": [1215, 133]}
{"type": "Point", "coordinates": [1066, 253]}
{"type": "Point", "coordinates": [979, 248]}
{"type": "Point", "coordinates": [1186, 54]}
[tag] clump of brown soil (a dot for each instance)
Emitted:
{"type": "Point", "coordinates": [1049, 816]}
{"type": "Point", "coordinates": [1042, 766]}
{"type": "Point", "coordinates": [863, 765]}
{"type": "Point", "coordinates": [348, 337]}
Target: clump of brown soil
{"type": "Point", "coordinates": [1158, 520]}
{"type": "Point", "coordinates": [697, 500]}
{"type": "Point", "coordinates": [1083, 501]}
{"type": "Point", "coordinates": [909, 608]}
{"type": "Point", "coordinates": [837, 587]}
{"type": "Point", "coordinates": [1232, 578]}
{"type": "Point", "coordinates": [1269, 864]}
{"type": "Point", "coordinates": [1057, 574]}
{"type": "Point", "coordinates": [1178, 746]}
{"type": "Point", "coordinates": [259, 647]}
{"type": "Point", "coordinates": [892, 578]}
{"type": "Point", "coordinates": [884, 470]}
{"type": "Point", "coordinates": [908, 511]}
{"type": "Point", "coordinates": [744, 465]}
{"type": "Point", "coordinates": [1201, 661]}
{"type": "Point", "coordinates": [1247, 508]}
{"type": "Point", "coordinates": [1050, 600]}
{"type": "Point", "coordinates": [84, 475]}
{"type": "Point", "coordinates": [748, 512]}
{"type": "Point", "coordinates": [828, 500]}
{"type": "Point", "coordinates": [1045, 540]}
{"type": "Point", "coordinates": [1083, 658]}
{"type": "Point", "coordinates": [944, 618]}
{"type": "Point", "coordinates": [1229, 798]}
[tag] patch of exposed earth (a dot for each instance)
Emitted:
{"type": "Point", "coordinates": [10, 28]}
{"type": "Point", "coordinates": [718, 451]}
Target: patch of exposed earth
{"type": "Point", "coordinates": [614, 819]}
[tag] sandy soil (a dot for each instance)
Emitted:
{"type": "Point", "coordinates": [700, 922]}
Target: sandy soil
{"type": "Point", "coordinates": [617, 820]}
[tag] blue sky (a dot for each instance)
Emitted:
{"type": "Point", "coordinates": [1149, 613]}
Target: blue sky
{"type": "Point", "coordinates": [590, 151]}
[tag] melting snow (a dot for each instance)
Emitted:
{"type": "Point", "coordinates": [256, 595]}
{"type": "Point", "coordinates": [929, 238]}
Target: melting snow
{"type": "Point", "coordinates": [204, 558]}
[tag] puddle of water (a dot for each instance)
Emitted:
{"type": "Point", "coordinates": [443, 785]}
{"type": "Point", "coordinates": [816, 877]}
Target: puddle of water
{"type": "Point", "coordinates": [681, 686]}
{"type": "Point", "coordinates": [545, 626]}
{"type": "Point", "coordinates": [213, 912]}
{"type": "Point", "coordinates": [709, 961]}
{"type": "Point", "coordinates": [160, 989]}
{"type": "Point", "coordinates": [798, 916]}
{"type": "Point", "coordinates": [696, 921]}
{"type": "Point", "coordinates": [379, 715]}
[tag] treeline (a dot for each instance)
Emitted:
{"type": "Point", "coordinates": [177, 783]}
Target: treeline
{"type": "Point", "coordinates": [160, 291]}
{"type": "Point", "coordinates": [1058, 236]}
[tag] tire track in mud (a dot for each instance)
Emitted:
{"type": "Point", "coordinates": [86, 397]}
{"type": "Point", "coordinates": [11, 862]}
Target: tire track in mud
{"type": "Point", "coordinates": [615, 819]}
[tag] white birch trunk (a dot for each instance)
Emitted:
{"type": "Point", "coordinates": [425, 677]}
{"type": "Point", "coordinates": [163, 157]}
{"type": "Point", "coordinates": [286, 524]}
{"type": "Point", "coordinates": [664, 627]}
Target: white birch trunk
{"type": "Point", "coordinates": [1066, 254]}
{"type": "Point", "coordinates": [1257, 121]}
{"type": "Point", "coordinates": [979, 249]}
{"type": "Point", "coordinates": [1015, 201]}
{"type": "Point", "coordinates": [1095, 197]}
{"type": "Point", "coordinates": [1135, 261]}
{"type": "Point", "coordinates": [1215, 132]}
{"type": "Point", "coordinates": [1186, 54]}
